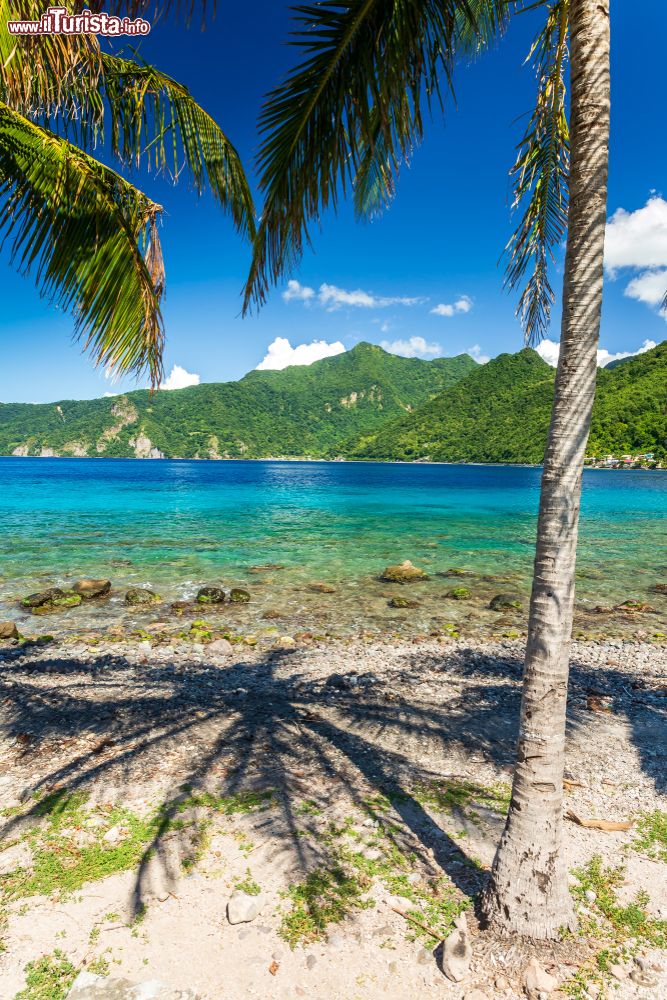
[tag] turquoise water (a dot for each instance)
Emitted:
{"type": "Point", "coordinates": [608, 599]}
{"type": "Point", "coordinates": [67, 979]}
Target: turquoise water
{"type": "Point", "coordinates": [176, 525]}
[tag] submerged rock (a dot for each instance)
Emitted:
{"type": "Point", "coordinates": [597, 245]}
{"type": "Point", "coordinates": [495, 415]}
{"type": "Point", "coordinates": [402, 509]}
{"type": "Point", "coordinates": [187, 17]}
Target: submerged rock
{"type": "Point", "coordinates": [455, 571]}
{"type": "Point", "coordinates": [47, 602]}
{"type": "Point", "coordinates": [501, 602]}
{"type": "Point", "coordinates": [141, 595]}
{"type": "Point", "coordinates": [402, 602]}
{"type": "Point", "coordinates": [239, 596]}
{"type": "Point", "coordinates": [92, 588]}
{"type": "Point", "coordinates": [459, 594]}
{"type": "Point", "coordinates": [321, 588]}
{"type": "Point", "coordinates": [8, 630]}
{"type": "Point", "coordinates": [403, 572]}
{"type": "Point", "coordinates": [211, 595]}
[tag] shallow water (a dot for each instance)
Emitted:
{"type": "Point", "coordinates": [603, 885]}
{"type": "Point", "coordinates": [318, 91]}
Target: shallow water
{"type": "Point", "coordinates": [176, 525]}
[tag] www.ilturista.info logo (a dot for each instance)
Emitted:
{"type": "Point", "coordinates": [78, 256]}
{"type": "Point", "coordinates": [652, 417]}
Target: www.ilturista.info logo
{"type": "Point", "coordinates": [59, 21]}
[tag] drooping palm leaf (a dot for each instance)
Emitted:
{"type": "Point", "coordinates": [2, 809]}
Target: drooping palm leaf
{"type": "Point", "coordinates": [155, 120]}
{"type": "Point", "coordinates": [89, 237]}
{"type": "Point", "coordinates": [540, 173]}
{"type": "Point", "coordinates": [366, 68]}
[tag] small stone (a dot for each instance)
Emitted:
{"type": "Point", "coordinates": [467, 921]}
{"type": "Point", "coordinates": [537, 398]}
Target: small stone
{"type": "Point", "coordinates": [238, 596]}
{"type": "Point", "coordinates": [285, 642]}
{"type": "Point", "coordinates": [537, 980]}
{"type": "Point", "coordinates": [145, 647]}
{"type": "Point", "coordinates": [112, 836]}
{"type": "Point", "coordinates": [457, 951]}
{"type": "Point", "coordinates": [424, 956]}
{"type": "Point", "coordinates": [92, 588]}
{"type": "Point", "coordinates": [404, 572]}
{"type": "Point", "coordinates": [505, 602]}
{"type": "Point", "coordinates": [501, 984]}
{"type": "Point", "coordinates": [8, 630]}
{"type": "Point", "coordinates": [393, 968]}
{"type": "Point", "coordinates": [618, 972]}
{"type": "Point", "coordinates": [136, 596]}
{"type": "Point", "coordinates": [590, 895]}
{"type": "Point", "coordinates": [321, 588]}
{"type": "Point", "coordinates": [220, 646]}
{"type": "Point", "coordinates": [242, 908]}
{"type": "Point", "coordinates": [210, 595]}
{"type": "Point", "coordinates": [372, 854]}
{"type": "Point", "coordinates": [311, 961]}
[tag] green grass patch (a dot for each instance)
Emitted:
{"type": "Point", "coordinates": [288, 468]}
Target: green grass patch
{"type": "Point", "coordinates": [325, 897]}
{"type": "Point", "coordinates": [48, 978]}
{"type": "Point", "coordinates": [248, 885]}
{"type": "Point", "coordinates": [460, 796]}
{"type": "Point", "coordinates": [651, 838]}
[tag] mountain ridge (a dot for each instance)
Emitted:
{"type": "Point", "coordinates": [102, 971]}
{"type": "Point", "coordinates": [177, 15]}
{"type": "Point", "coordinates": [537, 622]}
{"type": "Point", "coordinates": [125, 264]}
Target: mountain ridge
{"type": "Point", "coordinates": [364, 404]}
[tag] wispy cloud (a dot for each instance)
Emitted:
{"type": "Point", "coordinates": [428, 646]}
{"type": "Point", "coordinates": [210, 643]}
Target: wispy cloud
{"type": "Point", "coordinates": [331, 297]}
{"type": "Point", "coordinates": [179, 378]}
{"type": "Point", "coordinates": [638, 241]}
{"type": "Point", "coordinates": [462, 305]}
{"type": "Point", "coordinates": [280, 353]}
{"type": "Point", "coordinates": [475, 352]}
{"type": "Point", "coordinates": [414, 347]}
{"type": "Point", "coordinates": [550, 349]}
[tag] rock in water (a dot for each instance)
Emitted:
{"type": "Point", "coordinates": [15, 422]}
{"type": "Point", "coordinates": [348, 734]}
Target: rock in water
{"type": "Point", "coordinates": [457, 951]}
{"type": "Point", "coordinates": [402, 602]}
{"type": "Point", "coordinates": [537, 980]}
{"type": "Point", "coordinates": [92, 588]}
{"type": "Point", "coordinates": [42, 597]}
{"type": "Point", "coordinates": [502, 602]}
{"type": "Point", "coordinates": [242, 908]}
{"type": "Point", "coordinates": [141, 595]}
{"type": "Point", "coordinates": [404, 572]}
{"type": "Point", "coordinates": [459, 594]}
{"type": "Point", "coordinates": [321, 588]}
{"type": "Point", "coordinates": [8, 630]}
{"type": "Point", "coordinates": [211, 595]}
{"type": "Point", "coordinates": [239, 596]}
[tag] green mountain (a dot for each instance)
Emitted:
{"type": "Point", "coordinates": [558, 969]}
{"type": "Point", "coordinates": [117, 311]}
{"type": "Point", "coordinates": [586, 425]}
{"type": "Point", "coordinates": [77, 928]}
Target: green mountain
{"type": "Point", "coordinates": [304, 410]}
{"type": "Point", "coordinates": [500, 413]}
{"type": "Point", "coordinates": [364, 404]}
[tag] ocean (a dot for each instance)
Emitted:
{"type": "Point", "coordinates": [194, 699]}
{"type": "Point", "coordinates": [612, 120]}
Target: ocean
{"type": "Point", "coordinates": [277, 527]}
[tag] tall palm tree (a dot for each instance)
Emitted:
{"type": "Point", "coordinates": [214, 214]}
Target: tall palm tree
{"type": "Point", "coordinates": [90, 236]}
{"type": "Point", "coordinates": [348, 116]}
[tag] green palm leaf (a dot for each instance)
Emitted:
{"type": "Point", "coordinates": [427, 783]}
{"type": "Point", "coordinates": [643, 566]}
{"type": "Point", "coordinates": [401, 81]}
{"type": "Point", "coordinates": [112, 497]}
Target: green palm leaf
{"type": "Point", "coordinates": [540, 173]}
{"type": "Point", "coordinates": [91, 240]}
{"type": "Point", "coordinates": [154, 119]}
{"type": "Point", "coordinates": [352, 111]}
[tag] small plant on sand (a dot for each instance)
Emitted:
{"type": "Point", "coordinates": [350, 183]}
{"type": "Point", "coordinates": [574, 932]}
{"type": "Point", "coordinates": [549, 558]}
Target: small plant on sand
{"type": "Point", "coordinates": [248, 885]}
{"type": "Point", "coordinates": [325, 897]}
{"type": "Point", "coordinates": [621, 928]}
{"type": "Point", "coordinates": [651, 838]}
{"type": "Point", "coordinates": [48, 978]}
{"type": "Point", "coordinates": [456, 795]}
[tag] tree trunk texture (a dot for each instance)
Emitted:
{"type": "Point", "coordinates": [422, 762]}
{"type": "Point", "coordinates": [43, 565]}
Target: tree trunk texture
{"type": "Point", "coordinates": [527, 891]}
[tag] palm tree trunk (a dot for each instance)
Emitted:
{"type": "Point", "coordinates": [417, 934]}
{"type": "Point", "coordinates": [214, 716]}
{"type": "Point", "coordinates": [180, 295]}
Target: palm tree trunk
{"type": "Point", "coordinates": [527, 892]}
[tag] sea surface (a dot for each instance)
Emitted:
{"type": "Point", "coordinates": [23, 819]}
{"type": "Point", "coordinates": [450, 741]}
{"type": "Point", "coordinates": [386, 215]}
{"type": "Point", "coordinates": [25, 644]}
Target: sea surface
{"type": "Point", "coordinates": [277, 527]}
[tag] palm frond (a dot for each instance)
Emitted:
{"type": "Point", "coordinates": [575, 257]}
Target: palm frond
{"type": "Point", "coordinates": [91, 240]}
{"type": "Point", "coordinates": [45, 73]}
{"type": "Point", "coordinates": [351, 109]}
{"type": "Point", "coordinates": [540, 174]}
{"type": "Point", "coordinates": [155, 120]}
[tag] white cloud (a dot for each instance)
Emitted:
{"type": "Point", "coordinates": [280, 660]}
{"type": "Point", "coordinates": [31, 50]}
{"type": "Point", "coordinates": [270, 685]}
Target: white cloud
{"type": "Point", "coordinates": [281, 354]}
{"type": "Point", "coordinates": [179, 378]}
{"type": "Point", "coordinates": [415, 347]}
{"type": "Point", "coordinates": [331, 297]}
{"type": "Point", "coordinates": [549, 350]}
{"type": "Point", "coordinates": [462, 305]}
{"type": "Point", "coordinates": [475, 352]}
{"type": "Point", "coordinates": [649, 287]}
{"type": "Point", "coordinates": [295, 290]}
{"type": "Point", "coordinates": [637, 239]}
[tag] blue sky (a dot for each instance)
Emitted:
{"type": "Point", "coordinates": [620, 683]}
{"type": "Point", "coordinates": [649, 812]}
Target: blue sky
{"type": "Point", "coordinates": [439, 244]}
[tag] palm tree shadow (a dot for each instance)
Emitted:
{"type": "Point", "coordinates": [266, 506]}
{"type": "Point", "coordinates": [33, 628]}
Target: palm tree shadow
{"type": "Point", "coordinates": [257, 726]}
